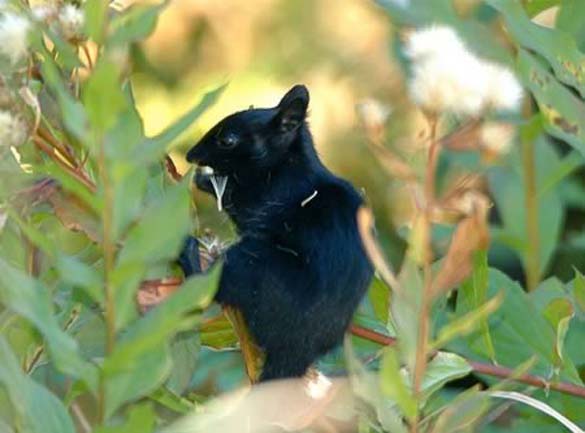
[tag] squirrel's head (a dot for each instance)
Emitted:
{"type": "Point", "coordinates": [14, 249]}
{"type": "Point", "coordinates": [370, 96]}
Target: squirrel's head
{"type": "Point", "coordinates": [257, 138]}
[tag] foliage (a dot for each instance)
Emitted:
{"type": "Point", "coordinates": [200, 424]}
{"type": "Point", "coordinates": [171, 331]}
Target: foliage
{"type": "Point", "coordinates": [93, 214]}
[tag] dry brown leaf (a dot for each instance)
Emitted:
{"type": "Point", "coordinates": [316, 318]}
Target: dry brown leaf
{"type": "Point", "coordinates": [471, 234]}
{"type": "Point", "coordinates": [153, 292]}
{"type": "Point", "coordinates": [365, 221]}
{"type": "Point", "coordinates": [253, 356]}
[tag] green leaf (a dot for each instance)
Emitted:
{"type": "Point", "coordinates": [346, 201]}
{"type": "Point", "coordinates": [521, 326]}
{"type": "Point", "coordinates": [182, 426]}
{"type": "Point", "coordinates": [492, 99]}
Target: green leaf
{"type": "Point", "coordinates": [472, 296]}
{"type": "Point", "coordinates": [562, 112]}
{"type": "Point", "coordinates": [463, 413]}
{"type": "Point", "coordinates": [379, 295]}
{"type": "Point", "coordinates": [135, 23]}
{"type": "Point", "coordinates": [558, 48]}
{"type": "Point", "coordinates": [566, 167]}
{"type": "Point", "coordinates": [466, 324]}
{"type": "Point", "coordinates": [124, 137]}
{"type": "Point", "coordinates": [570, 20]}
{"type": "Point", "coordinates": [103, 97]}
{"type": "Point", "coordinates": [172, 401]}
{"type": "Point", "coordinates": [37, 410]}
{"type": "Point", "coordinates": [77, 273]}
{"type": "Point", "coordinates": [153, 148]}
{"type": "Point", "coordinates": [393, 384]}
{"type": "Point", "coordinates": [161, 229]}
{"type": "Point", "coordinates": [128, 196]}
{"type": "Point", "coordinates": [218, 333]}
{"type": "Point", "coordinates": [559, 313]}
{"type": "Point", "coordinates": [405, 309]}
{"type": "Point", "coordinates": [145, 344]}
{"type": "Point", "coordinates": [27, 297]}
{"type": "Point", "coordinates": [508, 190]}
{"type": "Point", "coordinates": [95, 12]}
{"type": "Point", "coordinates": [134, 384]}
{"type": "Point", "coordinates": [443, 368]}
{"type": "Point", "coordinates": [184, 352]}
{"type": "Point", "coordinates": [159, 324]}
{"type": "Point", "coordinates": [534, 7]}
{"type": "Point", "coordinates": [72, 111]}
{"type": "Point", "coordinates": [141, 419]}
{"type": "Point", "coordinates": [579, 290]}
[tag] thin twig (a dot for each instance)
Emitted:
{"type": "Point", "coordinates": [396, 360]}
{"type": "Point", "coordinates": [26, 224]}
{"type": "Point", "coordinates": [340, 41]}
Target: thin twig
{"type": "Point", "coordinates": [482, 368]}
{"type": "Point", "coordinates": [62, 148]}
{"type": "Point", "coordinates": [88, 56]}
{"type": "Point", "coordinates": [50, 152]}
{"type": "Point", "coordinates": [83, 422]}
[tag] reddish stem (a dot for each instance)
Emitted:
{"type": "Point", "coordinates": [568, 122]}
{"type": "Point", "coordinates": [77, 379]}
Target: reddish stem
{"type": "Point", "coordinates": [482, 368]}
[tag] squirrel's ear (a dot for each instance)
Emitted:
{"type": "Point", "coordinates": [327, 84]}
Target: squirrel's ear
{"type": "Point", "coordinates": [292, 108]}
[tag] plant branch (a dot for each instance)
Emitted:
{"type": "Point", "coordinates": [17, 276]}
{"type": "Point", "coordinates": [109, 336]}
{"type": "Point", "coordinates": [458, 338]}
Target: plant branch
{"type": "Point", "coordinates": [61, 147]}
{"type": "Point", "coordinates": [78, 175]}
{"type": "Point", "coordinates": [426, 300]}
{"type": "Point", "coordinates": [532, 249]}
{"type": "Point", "coordinates": [109, 256]}
{"type": "Point", "coordinates": [483, 368]}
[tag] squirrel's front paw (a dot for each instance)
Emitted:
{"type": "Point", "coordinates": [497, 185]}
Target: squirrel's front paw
{"type": "Point", "coordinates": [189, 259]}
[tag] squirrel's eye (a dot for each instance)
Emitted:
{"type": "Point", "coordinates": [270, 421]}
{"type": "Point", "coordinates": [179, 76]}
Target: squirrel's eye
{"type": "Point", "coordinates": [228, 141]}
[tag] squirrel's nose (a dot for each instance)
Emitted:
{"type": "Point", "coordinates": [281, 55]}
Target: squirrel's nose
{"type": "Point", "coordinates": [195, 155]}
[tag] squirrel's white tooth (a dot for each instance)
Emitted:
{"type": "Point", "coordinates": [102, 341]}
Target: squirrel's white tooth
{"type": "Point", "coordinates": [206, 170]}
{"type": "Point", "coordinates": [219, 183]}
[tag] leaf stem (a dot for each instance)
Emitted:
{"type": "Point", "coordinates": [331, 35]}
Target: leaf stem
{"type": "Point", "coordinates": [109, 255]}
{"type": "Point", "coordinates": [426, 298]}
{"type": "Point", "coordinates": [532, 250]}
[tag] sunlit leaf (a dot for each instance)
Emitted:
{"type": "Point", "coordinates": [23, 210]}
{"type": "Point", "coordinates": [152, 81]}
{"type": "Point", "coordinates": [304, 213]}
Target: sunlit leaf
{"type": "Point", "coordinates": [102, 96]}
{"type": "Point", "coordinates": [559, 313]}
{"type": "Point", "coordinates": [468, 323]}
{"type": "Point", "coordinates": [135, 23]}
{"type": "Point", "coordinates": [393, 384]}
{"type": "Point", "coordinates": [443, 368]}
{"type": "Point", "coordinates": [558, 48]}
{"type": "Point", "coordinates": [534, 7]}
{"type": "Point", "coordinates": [569, 20]}
{"type": "Point", "coordinates": [473, 294]}
{"type": "Point", "coordinates": [218, 333]}
{"type": "Point", "coordinates": [95, 12]}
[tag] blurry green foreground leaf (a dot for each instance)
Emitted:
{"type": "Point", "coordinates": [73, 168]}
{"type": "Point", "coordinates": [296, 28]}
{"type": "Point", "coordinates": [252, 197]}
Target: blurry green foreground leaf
{"type": "Point", "coordinates": [36, 409]}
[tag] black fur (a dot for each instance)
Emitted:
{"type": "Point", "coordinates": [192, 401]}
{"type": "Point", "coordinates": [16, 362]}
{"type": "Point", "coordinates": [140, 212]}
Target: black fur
{"type": "Point", "coordinates": [299, 270]}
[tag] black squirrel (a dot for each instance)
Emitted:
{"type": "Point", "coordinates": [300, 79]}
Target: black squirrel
{"type": "Point", "coordinates": [299, 270]}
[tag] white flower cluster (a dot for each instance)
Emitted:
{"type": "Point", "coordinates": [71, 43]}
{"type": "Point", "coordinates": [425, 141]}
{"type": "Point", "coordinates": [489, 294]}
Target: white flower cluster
{"type": "Point", "coordinates": [447, 77]}
{"type": "Point", "coordinates": [14, 36]}
{"type": "Point", "coordinates": [71, 22]}
{"type": "Point", "coordinates": [13, 130]}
